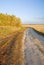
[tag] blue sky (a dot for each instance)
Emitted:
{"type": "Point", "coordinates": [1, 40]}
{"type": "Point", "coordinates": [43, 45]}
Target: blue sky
{"type": "Point", "coordinates": [30, 11]}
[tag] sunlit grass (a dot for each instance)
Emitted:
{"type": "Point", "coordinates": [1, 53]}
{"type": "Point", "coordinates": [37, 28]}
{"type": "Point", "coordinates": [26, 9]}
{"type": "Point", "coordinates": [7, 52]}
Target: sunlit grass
{"type": "Point", "coordinates": [38, 27]}
{"type": "Point", "coordinates": [6, 30]}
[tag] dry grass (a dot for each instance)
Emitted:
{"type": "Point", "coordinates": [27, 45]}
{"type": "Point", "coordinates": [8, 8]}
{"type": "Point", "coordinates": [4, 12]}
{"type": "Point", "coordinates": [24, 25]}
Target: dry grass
{"type": "Point", "coordinates": [7, 30]}
{"type": "Point", "coordinates": [38, 27]}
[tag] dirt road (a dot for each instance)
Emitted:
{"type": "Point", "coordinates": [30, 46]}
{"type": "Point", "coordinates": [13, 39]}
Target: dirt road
{"type": "Point", "coordinates": [22, 48]}
{"type": "Point", "coordinates": [34, 52]}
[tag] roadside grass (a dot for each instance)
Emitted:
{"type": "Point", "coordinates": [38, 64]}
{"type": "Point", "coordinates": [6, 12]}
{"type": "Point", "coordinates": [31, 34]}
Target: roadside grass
{"type": "Point", "coordinates": [8, 30]}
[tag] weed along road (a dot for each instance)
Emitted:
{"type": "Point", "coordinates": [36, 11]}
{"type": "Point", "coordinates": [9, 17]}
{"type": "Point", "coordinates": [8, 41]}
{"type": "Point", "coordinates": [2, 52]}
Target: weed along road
{"type": "Point", "coordinates": [22, 48]}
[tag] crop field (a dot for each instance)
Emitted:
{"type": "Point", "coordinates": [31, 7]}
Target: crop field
{"type": "Point", "coordinates": [38, 27]}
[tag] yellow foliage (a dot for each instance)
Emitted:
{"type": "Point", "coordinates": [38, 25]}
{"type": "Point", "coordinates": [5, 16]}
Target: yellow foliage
{"type": "Point", "coordinates": [9, 20]}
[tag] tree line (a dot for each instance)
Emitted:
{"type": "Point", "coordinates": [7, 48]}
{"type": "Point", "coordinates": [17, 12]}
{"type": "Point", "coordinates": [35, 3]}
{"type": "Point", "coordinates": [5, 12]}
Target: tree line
{"type": "Point", "coordinates": [9, 20]}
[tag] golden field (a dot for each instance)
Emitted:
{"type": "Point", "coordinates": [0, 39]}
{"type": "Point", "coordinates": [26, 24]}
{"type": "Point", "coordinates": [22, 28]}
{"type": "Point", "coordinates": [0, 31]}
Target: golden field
{"type": "Point", "coordinates": [38, 27]}
{"type": "Point", "coordinates": [7, 30]}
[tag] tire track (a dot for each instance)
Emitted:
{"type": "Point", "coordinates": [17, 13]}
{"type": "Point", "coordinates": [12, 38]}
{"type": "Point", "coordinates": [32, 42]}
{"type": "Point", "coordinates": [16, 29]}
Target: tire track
{"type": "Point", "coordinates": [11, 53]}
